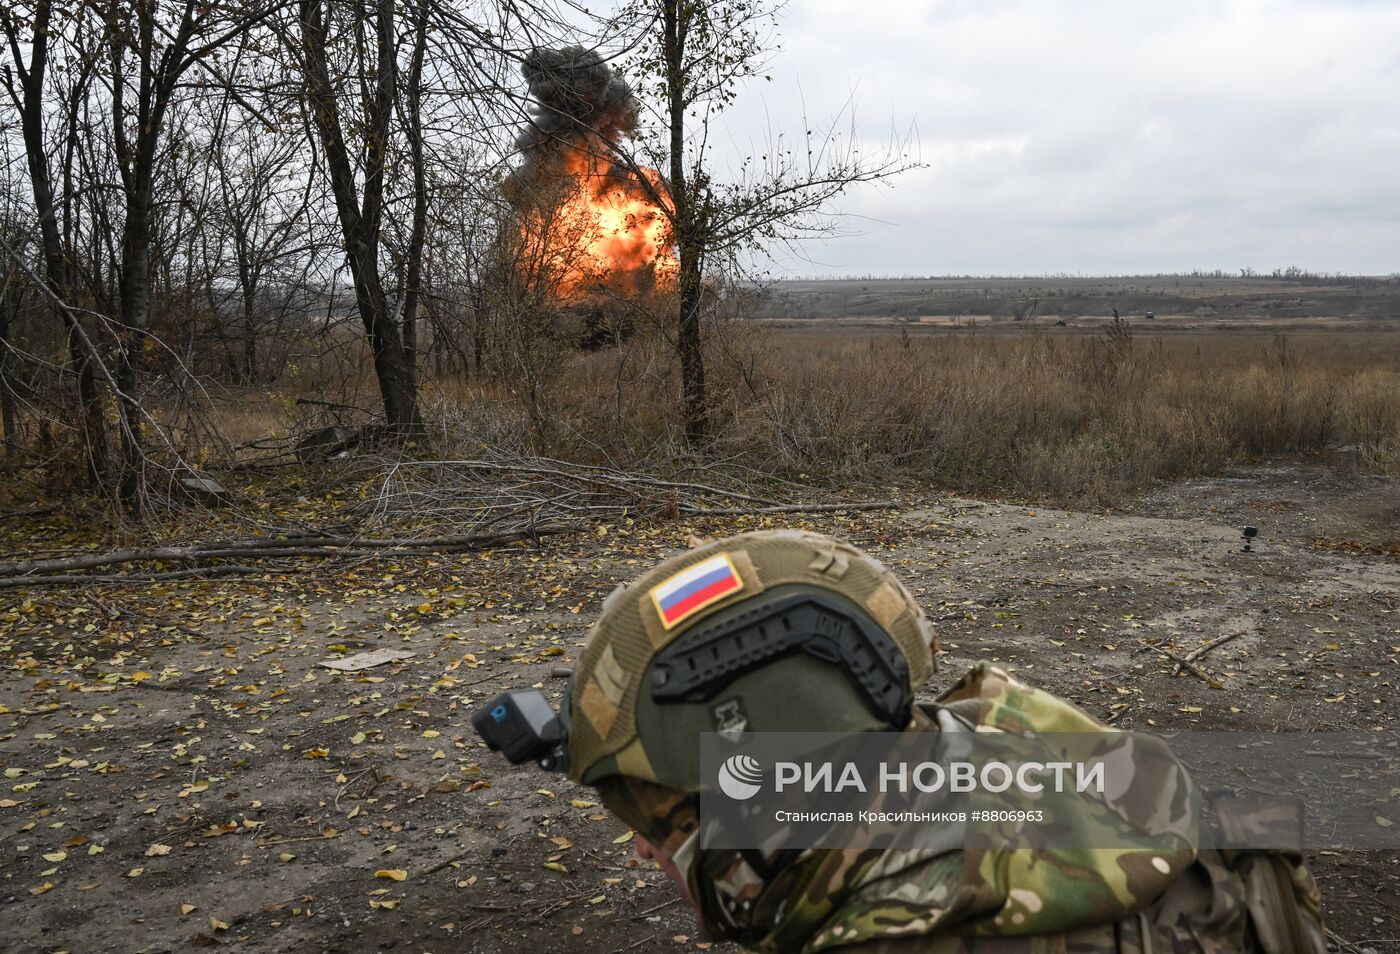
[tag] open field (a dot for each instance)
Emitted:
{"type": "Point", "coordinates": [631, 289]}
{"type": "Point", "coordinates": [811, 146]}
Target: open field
{"type": "Point", "coordinates": [1076, 416]}
{"type": "Point", "coordinates": [1178, 302]}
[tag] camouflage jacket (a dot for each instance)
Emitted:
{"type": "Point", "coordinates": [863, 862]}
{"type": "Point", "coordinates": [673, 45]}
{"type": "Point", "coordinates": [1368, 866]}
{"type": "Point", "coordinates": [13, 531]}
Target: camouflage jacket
{"type": "Point", "coordinates": [1090, 901]}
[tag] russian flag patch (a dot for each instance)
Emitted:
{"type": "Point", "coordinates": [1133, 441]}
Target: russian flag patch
{"type": "Point", "coordinates": [686, 593]}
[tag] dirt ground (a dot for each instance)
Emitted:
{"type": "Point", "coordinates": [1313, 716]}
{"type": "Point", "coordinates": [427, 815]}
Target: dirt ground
{"type": "Point", "coordinates": [179, 771]}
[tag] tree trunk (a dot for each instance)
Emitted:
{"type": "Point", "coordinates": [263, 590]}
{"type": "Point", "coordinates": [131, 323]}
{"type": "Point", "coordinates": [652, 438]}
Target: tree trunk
{"type": "Point", "coordinates": [390, 361]}
{"type": "Point", "coordinates": [413, 126]}
{"type": "Point", "coordinates": [248, 371]}
{"type": "Point", "coordinates": [250, 349]}
{"type": "Point", "coordinates": [8, 416]}
{"type": "Point", "coordinates": [690, 347]}
{"type": "Point", "coordinates": [686, 227]}
{"type": "Point", "coordinates": [359, 223]}
{"type": "Point", "coordinates": [478, 339]}
{"type": "Point", "coordinates": [134, 296]}
{"type": "Point", "coordinates": [159, 64]}
{"type": "Point", "coordinates": [93, 424]}
{"type": "Point", "coordinates": [92, 420]}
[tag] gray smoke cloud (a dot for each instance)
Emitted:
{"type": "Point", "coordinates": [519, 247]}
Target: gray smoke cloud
{"type": "Point", "coordinates": [577, 101]}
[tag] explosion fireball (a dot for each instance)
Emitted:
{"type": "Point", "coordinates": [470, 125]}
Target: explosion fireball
{"type": "Point", "coordinates": [603, 234]}
{"type": "Point", "coordinates": [589, 226]}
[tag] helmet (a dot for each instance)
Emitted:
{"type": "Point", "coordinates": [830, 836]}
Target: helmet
{"type": "Point", "coordinates": [772, 631]}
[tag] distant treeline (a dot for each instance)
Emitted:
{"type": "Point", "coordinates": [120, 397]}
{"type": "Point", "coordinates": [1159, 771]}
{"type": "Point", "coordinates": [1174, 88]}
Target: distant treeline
{"type": "Point", "coordinates": [1287, 293]}
{"type": "Point", "coordinates": [1292, 273]}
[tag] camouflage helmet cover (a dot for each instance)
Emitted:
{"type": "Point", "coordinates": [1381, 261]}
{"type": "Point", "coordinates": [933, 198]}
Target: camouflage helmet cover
{"type": "Point", "coordinates": [606, 734]}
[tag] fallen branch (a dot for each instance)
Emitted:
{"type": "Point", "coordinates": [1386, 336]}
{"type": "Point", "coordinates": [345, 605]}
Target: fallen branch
{"type": "Point", "coordinates": [1200, 651]}
{"type": "Point", "coordinates": [485, 492]}
{"type": "Point", "coordinates": [82, 579]}
{"type": "Point", "coordinates": [296, 841]}
{"type": "Point", "coordinates": [1195, 670]}
{"type": "Point", "coordinates": [57, 571]}
{"type": "Point", "coordinates": [30, 513]}
{"type": "Point", "coordinates": [586, 473]}
{"type": "Point", "coordinates": [788, 508]}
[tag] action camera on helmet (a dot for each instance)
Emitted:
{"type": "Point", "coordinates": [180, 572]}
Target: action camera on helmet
{"type": "Point", "coordinates": [523, 726]}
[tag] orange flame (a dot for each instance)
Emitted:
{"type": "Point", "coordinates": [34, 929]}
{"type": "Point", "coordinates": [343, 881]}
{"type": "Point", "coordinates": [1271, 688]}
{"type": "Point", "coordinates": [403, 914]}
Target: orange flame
{"type": "Point", "coordinates": [603, 233]}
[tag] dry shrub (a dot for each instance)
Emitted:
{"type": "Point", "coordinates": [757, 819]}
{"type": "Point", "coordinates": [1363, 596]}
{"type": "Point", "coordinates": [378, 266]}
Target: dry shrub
{"type": "Point", "coordinates": [1068, 418]}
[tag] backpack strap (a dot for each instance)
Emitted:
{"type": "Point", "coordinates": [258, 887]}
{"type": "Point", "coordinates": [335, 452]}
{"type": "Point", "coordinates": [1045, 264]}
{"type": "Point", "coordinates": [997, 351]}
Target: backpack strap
{"type": "Point", "coordinates": [1279, 920]}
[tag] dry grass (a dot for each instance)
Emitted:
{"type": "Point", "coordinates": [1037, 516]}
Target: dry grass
{"type": "Point", "coordinates": [1070, 418]}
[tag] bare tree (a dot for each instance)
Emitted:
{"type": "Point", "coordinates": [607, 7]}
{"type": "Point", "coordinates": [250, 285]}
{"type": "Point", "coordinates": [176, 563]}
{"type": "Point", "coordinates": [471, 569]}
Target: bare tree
{"type": "Point", "coordinates": [26, 85]}
{"type": "Point", "coordinates": [370, 90]}
{"type": "Point", "coordinates": [691, 58]}
{"type": "Point", "coordinates": [150, 47]}
{"type": "Point", "coordinates": [261, 215]}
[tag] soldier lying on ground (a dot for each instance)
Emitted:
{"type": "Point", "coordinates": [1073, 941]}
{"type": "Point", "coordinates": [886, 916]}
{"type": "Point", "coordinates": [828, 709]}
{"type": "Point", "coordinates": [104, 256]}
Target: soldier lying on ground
{"type": "Point", "coordinates": [621, 732]}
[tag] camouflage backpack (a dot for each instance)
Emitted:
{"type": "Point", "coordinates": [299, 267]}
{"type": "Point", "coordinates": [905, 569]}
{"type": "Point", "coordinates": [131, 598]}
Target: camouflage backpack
{"type": "Point", "coordinates": [1098, 901]}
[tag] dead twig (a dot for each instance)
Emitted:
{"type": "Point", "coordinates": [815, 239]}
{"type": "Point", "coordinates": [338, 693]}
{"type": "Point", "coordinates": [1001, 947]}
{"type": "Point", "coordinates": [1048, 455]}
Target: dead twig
{"type": "Point", "coordinates": [665, 904]}
{"type": "Point", "coordinates": [476, 682]}
{"type": "Point", "coordinates": [789, 508]}
{"type": "Point", "coordinates": [1184, 663]}
{"type": "Point", "coordinates": [293, 841]}
{"type": "Point", "coordinates": [1200, 651]}
{"type": "Point", "coordinates": [1343, 943]}
{"type": "Point", "coordinates": [355, 778]}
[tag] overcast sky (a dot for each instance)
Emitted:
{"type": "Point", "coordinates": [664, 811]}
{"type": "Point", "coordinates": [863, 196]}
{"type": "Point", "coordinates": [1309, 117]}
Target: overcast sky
{"type": "Point", "coordinates": [1097, 137]}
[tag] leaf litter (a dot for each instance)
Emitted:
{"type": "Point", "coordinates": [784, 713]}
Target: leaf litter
{"type": "Point", "coordinates": [191, 736]}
